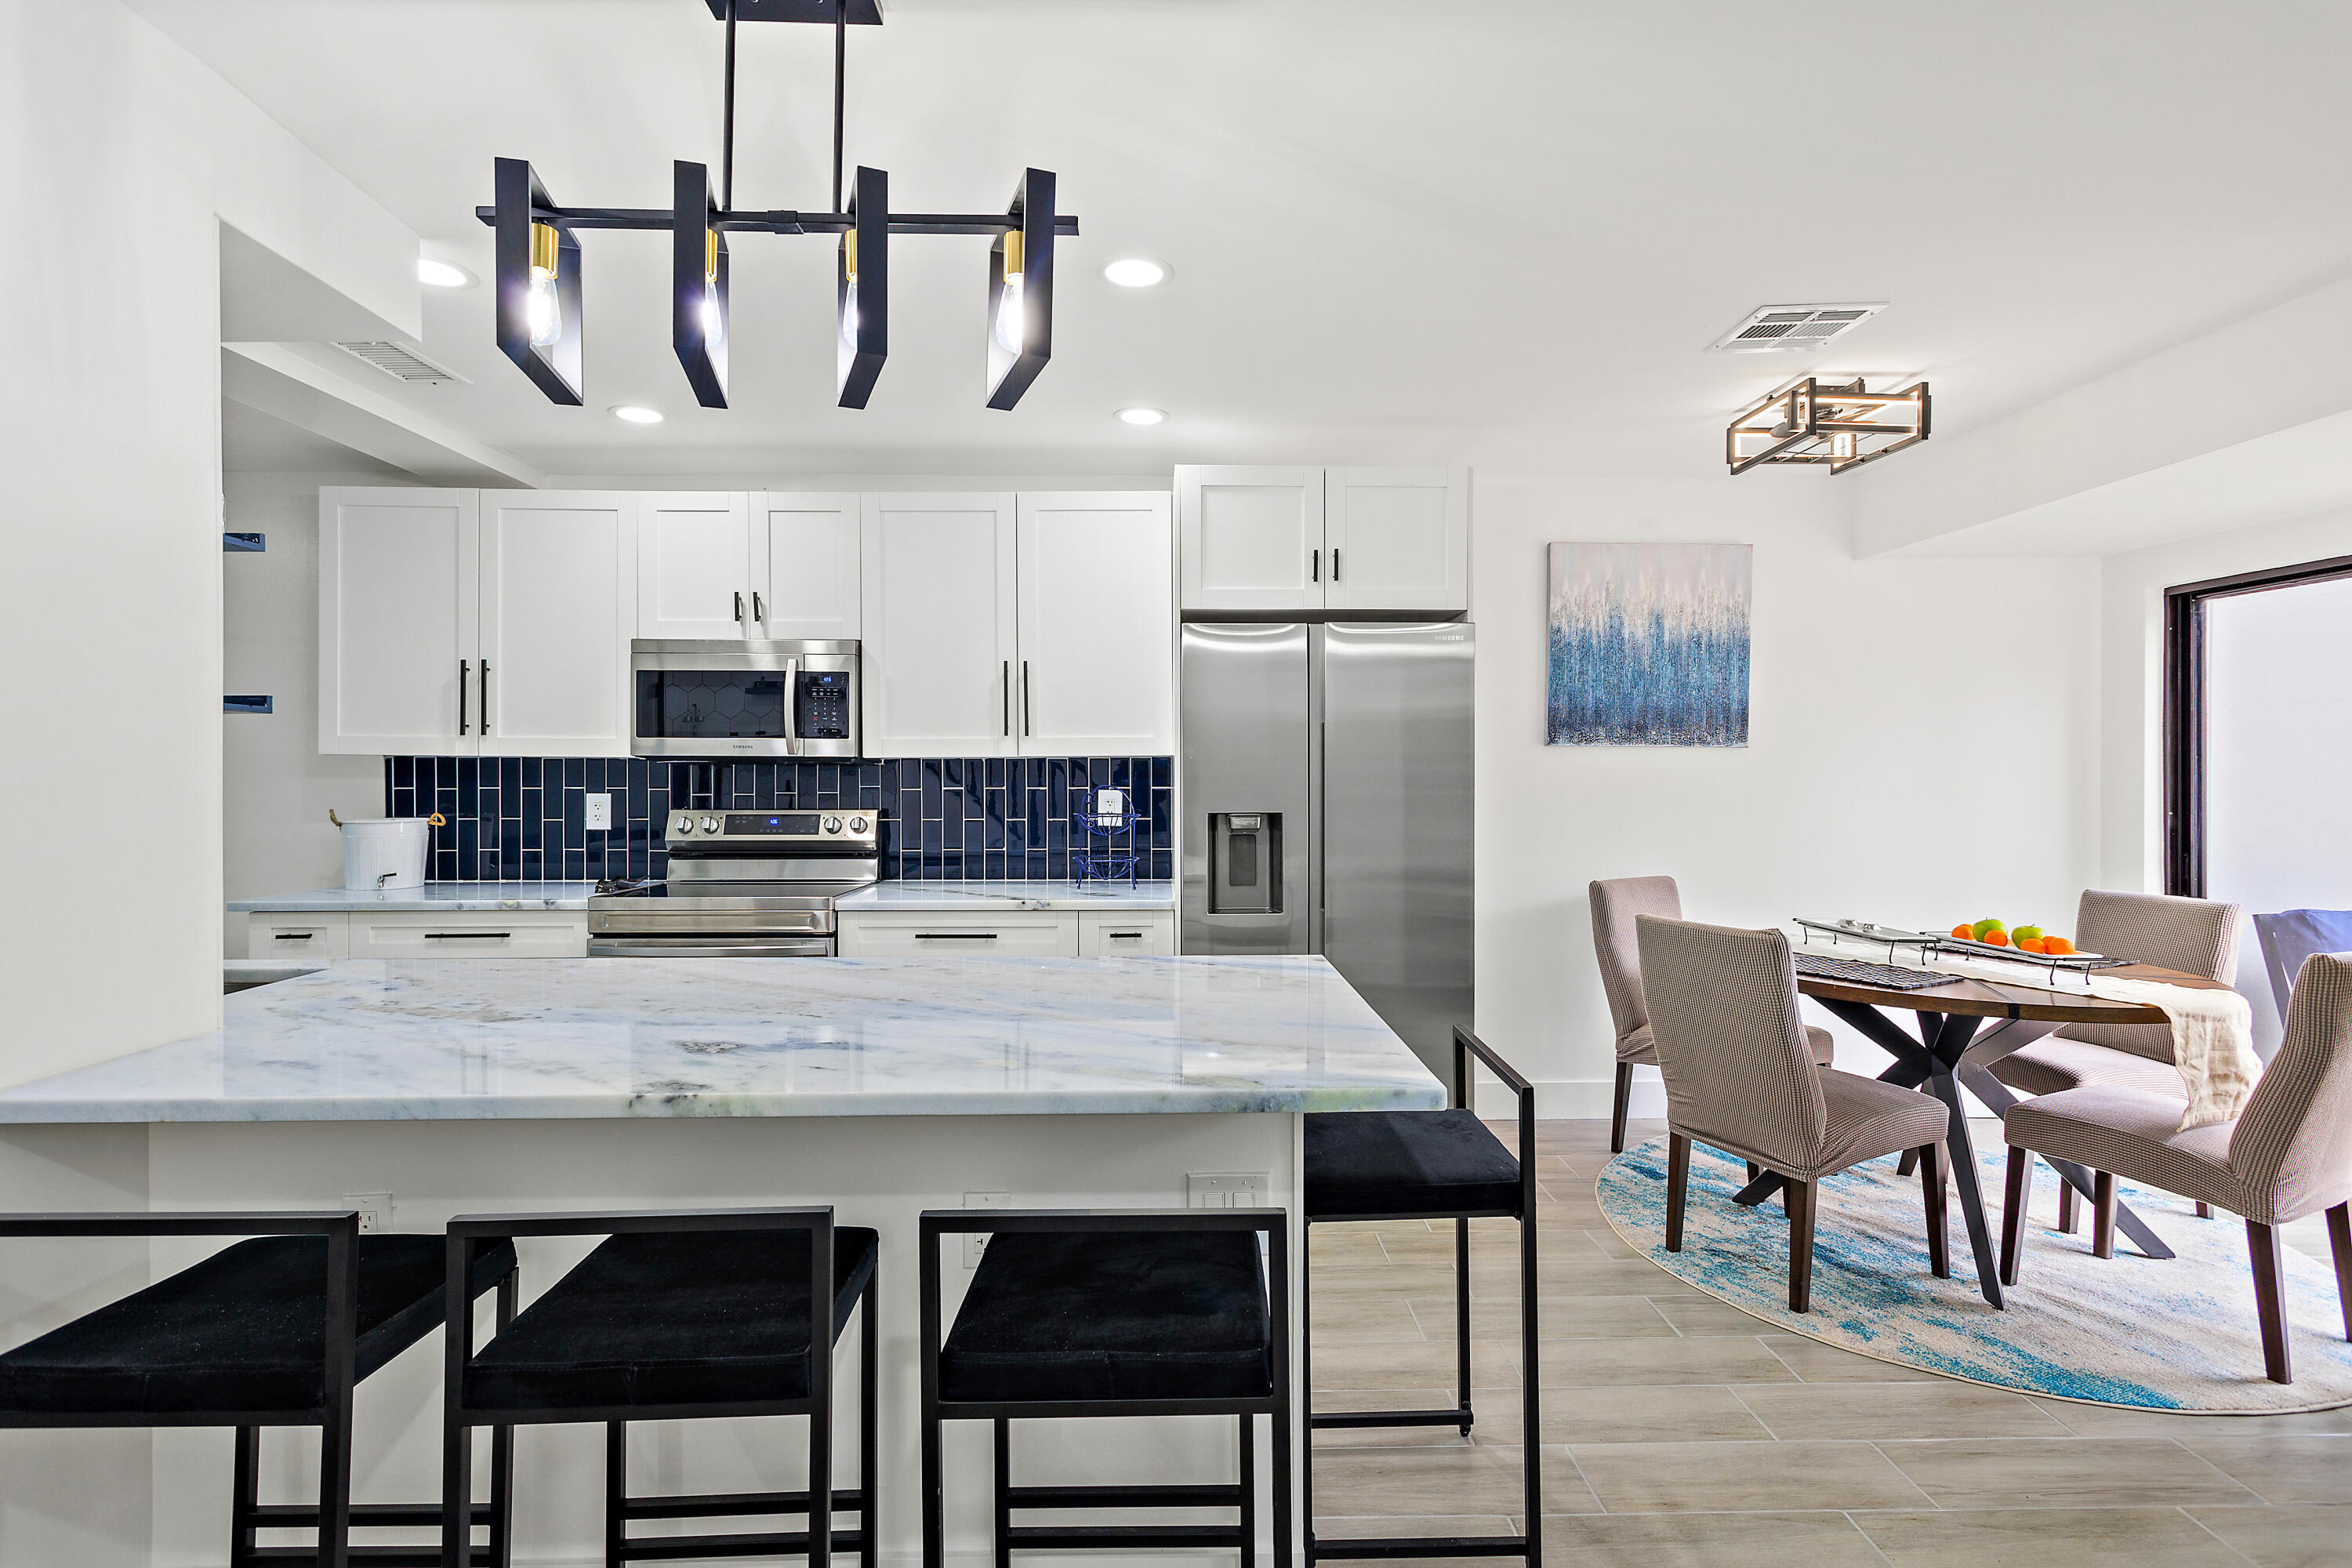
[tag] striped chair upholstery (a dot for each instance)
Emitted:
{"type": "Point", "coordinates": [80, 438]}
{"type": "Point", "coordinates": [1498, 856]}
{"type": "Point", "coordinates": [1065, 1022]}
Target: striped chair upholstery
{"type": "Point", "coordinates": [1616, 905]}
{"type": "Point", "coordinates": [2196, 936]}
{"type": "Point", "coordinates": [2287, 1155]}
{"type": "Point", "coordinates": [1740, 1077]}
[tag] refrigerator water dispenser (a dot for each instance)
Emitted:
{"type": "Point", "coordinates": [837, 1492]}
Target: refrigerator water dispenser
{"type": "Point", "coordinates": [1245, 863]}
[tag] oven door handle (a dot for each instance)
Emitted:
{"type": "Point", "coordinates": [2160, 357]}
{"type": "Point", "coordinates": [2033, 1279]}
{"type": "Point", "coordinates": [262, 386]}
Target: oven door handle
{"type": "Point", "coordinates": [791, 947]}
{"type": "Point", "coordinates": [792, 707]}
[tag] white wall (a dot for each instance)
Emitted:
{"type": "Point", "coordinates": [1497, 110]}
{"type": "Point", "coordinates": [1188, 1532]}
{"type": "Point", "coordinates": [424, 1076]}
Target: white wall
{"type": "Point", "coordinates": [120, 159]}
{"type": "Point", "coordinates": [1922, 750]}
{"type": "Point", "coordinates": [277, 787]}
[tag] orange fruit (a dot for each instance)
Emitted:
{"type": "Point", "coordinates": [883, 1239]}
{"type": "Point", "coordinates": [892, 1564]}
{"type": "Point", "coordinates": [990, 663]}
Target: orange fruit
{"type": "Point", "coordinates": [2031, 945]}
{"type": "Point", "coordinates": [1995, 938]}
{"type": "Point", "coordinates": [2057, 945]}
{"type": "Point", "coordinates": [1966, 933]}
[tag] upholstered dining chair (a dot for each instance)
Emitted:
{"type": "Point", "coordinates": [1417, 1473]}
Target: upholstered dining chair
{"type": "Point", "coordinates": [1616, 905]}
{"type": "Point", "coordinates": [2289, 936]}
{"type": "Point", "coordinates": [1740, 1078]}
{"type": "Point", "coordinates": [2195, 936]}
{"type": "Point", "coordinates": [2287, 1155]}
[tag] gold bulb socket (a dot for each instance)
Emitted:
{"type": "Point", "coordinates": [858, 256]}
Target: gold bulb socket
{"type": "Point", "coordinates": [850, 254]}
{"type": "Point", "coordinates": [1012, 253]}
{"type": "Point", "coordinates": [546, 246]}
{"type": "Point", "coordinates": [711, 256]}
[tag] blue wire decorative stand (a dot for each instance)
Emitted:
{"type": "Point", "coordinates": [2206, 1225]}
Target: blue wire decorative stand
{"type": "Point", "coordinates": [1104, 847]}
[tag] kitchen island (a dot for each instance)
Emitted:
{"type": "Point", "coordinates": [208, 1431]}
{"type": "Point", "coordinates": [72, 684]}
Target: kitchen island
{"type": "Point", "coordinates": [881, 1085]}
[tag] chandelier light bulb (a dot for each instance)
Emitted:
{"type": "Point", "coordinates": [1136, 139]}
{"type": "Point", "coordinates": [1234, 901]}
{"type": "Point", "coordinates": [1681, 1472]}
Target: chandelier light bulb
{"type": "Point", "coordinates": [849, 314]}
{"type": "Point", "coordinates": [1010, 318]}
{"type": "Point", "coordinates": [546, 309]}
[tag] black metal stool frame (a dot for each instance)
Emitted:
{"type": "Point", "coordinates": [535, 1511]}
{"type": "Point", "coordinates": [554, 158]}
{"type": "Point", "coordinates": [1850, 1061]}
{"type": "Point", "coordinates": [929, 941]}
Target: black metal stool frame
{"type": "Point", "coordinates": [821, 1499]}
{"type": "Point", "coordinates": [1530, 1544]}
{"type": "Point", "coordinates": [935, 1223]}
{"type": "Point", "coordinates": [334, 1515]}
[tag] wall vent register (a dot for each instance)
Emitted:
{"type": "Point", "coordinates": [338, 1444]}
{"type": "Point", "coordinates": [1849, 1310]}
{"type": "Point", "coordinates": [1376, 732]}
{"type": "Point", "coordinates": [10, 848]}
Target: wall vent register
{"type": "Point", "coordinates": [1782, 329]}
{"type": "Point", "coordinates": [402, 363]}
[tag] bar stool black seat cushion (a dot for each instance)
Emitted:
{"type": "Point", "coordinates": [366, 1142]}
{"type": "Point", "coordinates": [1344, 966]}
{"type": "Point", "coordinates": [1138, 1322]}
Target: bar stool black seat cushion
{"type": "Point", "coordinates": [1379, 1164]}
{"type": "Point", "coordinates": [698, 1317]}
{"type": "Point", "coordinates": [244, 1331]}
{"type": "Point", "coordinates": [1074, 1316]}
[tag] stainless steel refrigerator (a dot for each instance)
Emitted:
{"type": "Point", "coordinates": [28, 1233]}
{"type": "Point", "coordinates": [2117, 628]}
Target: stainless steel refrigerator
{"type": "Point", "coordinates": [1326, 776]}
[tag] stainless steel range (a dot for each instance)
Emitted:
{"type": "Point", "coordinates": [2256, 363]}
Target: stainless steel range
{"type": "Point", "coordinates": [743, 884]}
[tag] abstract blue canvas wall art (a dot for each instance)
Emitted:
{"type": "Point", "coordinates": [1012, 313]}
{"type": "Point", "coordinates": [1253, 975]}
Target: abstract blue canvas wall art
{"type": "Point", "coordinates": [1649, 645]}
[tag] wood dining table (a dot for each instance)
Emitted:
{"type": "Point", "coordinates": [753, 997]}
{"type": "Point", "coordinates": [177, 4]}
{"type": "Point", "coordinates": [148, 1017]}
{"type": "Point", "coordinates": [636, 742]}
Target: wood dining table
{"type": "Point", "coordinates": [1949, 1016]}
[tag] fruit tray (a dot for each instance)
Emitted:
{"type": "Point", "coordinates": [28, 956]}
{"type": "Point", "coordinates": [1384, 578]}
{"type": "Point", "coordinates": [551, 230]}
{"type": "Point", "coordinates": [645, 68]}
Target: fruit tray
{"type": "Point", "coordinates": [1893, 937]}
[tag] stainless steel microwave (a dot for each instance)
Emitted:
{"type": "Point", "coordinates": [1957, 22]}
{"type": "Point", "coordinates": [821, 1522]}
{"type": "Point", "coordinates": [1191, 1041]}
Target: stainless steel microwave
{"type": "Point", "coordinates": [744, 700]}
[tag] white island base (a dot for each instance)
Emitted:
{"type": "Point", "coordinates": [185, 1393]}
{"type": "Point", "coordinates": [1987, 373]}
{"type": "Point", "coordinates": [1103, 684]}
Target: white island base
{"type": "Point", "coordinates": [881, 1086]}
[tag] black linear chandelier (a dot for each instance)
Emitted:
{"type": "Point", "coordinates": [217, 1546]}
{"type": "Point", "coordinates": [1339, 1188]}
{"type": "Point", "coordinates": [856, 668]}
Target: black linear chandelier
{"type": "Point", "coordinates": [538, 255]}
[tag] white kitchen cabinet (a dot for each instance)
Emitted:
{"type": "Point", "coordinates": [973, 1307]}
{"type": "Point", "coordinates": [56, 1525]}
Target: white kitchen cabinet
{"type": "Point", "coordinates": [1132, 934]}
{"type": "Point", "coordinates": [1097, 611]}
{"type": "Point", "coordinates": [694, 564]}
{"type": "Point", "coordinates": [1396, 539]}
{"type": "Point", "coordinates": [296, 934]}
{"type": "Point", "coordinates": [1250, 539]}
{"type": "Point", "coordinates": [941, 642]}
{"type": "Point", "coordinates": [1345, 540]}
{"type": "Point", "coordinates": [1038, 934]}
{"type": "Point", "coordinates": [805, 576]}
{"type": "Point", "coordinates": [399, 606]}
{"type": "Point", "coordinates": [467, 933]}
{"type": "Point", "coordinates": [558, 604]}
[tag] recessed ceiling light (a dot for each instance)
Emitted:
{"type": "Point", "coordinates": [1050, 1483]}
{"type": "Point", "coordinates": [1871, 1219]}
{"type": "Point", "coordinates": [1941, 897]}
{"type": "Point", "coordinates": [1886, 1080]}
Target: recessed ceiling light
{"type": "Point", "coordinates": [442, 274]}
{"type": "Point", "coordinates": [637, 415]}
{"type": "Point", "coordinates": [1136, 272]}
{"type": "Point", "coordinates": [1142, 416]}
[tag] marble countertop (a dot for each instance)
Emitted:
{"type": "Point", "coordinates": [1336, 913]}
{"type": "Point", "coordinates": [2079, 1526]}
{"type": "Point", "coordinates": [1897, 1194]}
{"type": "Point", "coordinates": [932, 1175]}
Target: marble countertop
{"type": "Point", "coordinates": [934, 896]}
{"type": "Point", "coordinates": [455, 1039]}
{"type": "Point", "coordinates": [433, 898]}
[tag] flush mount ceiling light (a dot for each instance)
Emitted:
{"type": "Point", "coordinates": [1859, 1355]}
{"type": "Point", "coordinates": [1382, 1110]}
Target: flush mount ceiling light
{"type": "Point", "coordinates": [539, 320]}
{"type": "Point", "coordinates": [1811, 421]}
{"type": "Point", "coordinates": [638, 414]}
{"type": "Point", "coordinates": [1136, 272]}
{"type": "Point", "coordinates": [443, 274]}
{"type": "Point", "coordinates": [1782, 329]}
{"type": "Point", "coordinates": [1142, 416]}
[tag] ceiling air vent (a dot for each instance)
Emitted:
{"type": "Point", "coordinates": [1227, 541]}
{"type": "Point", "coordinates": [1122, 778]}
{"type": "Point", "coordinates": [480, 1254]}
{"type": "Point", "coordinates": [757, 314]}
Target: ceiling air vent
{"type": "Point", "coordinates": [402, 363]}
{"type": "Point", "coordinates": [1779, 329]}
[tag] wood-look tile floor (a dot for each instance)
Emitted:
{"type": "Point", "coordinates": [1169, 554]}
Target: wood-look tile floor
{"type": "Point", "coordinates": [1676, 1431]}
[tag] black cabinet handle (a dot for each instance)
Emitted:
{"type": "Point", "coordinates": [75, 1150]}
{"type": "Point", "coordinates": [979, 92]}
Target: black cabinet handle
{"type": "Point", "coordinates": [1008, 697]}
{"type": "Point", "coordinates": [468, 935]}
{"type": "Point", "coordinates": [759, 609]}
{"type": "Point", "coordinates": [1315, 566]}
{"type": "Point", "coordinates": [292, 935]}
{"type": "Point", "coordinates": [1124, 935]}
{"type": "Point", "coordinates": [465, 670]}
{"type": "Point", "coordinates": [1334, 563]}
{"type": "Point", "coordinates": [1024, 697]}
{"type": "Point", "coordinates": [955, 936]}
{"type": "Point", "coordinates": [486, 697]}
{"type": "Point", "coordinates": [739, 607]}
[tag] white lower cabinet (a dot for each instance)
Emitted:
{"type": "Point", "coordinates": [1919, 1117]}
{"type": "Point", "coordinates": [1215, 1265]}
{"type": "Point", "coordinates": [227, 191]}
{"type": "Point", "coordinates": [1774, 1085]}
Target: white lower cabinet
{"type": "Point", "coordinates": [1042, 933]}
{"type": "Point", "coordinates": [288, 934]}
{"type": "Point", "coordinates": [470, 933]}
{"type": "Point", "coordinates": [1139, 933]}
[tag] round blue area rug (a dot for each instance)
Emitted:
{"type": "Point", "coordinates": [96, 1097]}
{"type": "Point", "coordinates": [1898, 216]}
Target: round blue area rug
{"type": "Point", "coordinates": [2176, 1334]}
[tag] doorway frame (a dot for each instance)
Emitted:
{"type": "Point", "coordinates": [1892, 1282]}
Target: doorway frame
{"type": "Point", "coordinates": [2184, 705]}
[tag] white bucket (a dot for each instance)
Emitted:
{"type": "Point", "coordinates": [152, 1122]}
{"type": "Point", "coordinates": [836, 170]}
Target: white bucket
{"type": "Point", "coordinates": [386, 852]}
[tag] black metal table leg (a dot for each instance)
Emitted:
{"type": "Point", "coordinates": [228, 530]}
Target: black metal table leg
{"type": "Point", "coordinates": [1951, 1037]}
{"type": "Point", "coordinates": [1995, 1095]}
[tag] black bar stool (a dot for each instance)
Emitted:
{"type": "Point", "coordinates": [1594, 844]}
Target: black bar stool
{"type": "Point", "coordinates": [1111, 1313]}
{"type": "Point", "coordinates": [681, 1315]}
{"type": "Point", "coordinates": [1430, 1165]}
{"type": "Point", "coordinates": [272, 1330]}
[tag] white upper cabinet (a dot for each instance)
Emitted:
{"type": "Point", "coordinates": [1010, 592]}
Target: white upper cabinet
{"type": "Point", "coordinates": [1329, 540]}
{"type": "Point", "coordinates": [1098, 625]}
{"type": "Point", "coordinates": [1250, 539]}
{"type": "Point", "coordinates": [559, 603]}
{"type": "Point", "coordinates": [940, 644]}
{"type": "Point", "coordinates": [694, 560]}
{"type": "Point", "coordinates": [805, 569]}
{"type": "Point", "coordinates": [398, 607]}
{"type": "Point", "coordinates": [1396, 539]}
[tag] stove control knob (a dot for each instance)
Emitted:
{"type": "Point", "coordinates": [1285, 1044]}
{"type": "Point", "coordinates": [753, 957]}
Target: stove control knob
{"type": "Point", "coordinates": [683, 825]}
{"type": "Point", "coordinates": [857, 825]}
{"type": "Point", "coordinates": [710, 825]}
{"type": "Point", "coordinates": [833, 825]}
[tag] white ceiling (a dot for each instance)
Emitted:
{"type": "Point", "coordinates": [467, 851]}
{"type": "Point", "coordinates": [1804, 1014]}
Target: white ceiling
{"type": "Point", "coordinates": [1499, 232]}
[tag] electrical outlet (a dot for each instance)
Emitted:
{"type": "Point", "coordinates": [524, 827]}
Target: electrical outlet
{"type": "Point", "coordinates": [974, 1244]}
{"type": "Point", "coordinates": [1224, 1189]}
{"type": "Point", "coordinates": [376, 1210]}
{"type": "Point", "coordinates": [599, 811]}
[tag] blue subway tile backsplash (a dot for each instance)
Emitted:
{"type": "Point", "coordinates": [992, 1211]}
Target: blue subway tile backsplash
{"type": "Point", "coordinates": [525, 819]}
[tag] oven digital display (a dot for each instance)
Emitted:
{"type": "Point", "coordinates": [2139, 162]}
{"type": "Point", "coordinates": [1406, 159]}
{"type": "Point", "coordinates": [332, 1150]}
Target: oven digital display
{"type": "Point", "coordinates": [796, 824]}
